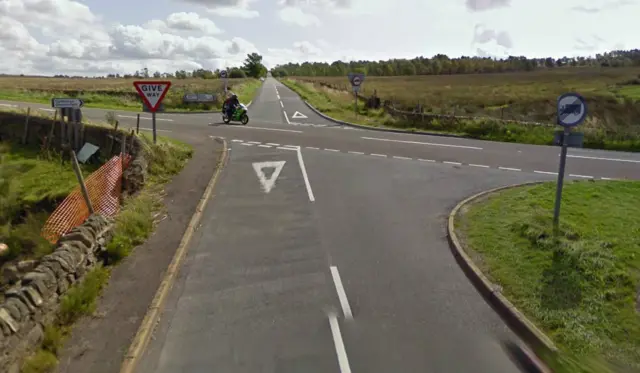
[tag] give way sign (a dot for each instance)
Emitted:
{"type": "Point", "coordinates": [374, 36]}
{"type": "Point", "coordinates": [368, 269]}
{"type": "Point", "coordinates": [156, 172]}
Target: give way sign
{"type": "Point", "coordinates": [152, 92]}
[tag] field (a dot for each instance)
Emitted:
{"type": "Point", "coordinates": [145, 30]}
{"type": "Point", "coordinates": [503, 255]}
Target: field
{"type": "Point", "coordinates": [580, 288]}
{"type": "Point", "coordinates": [612, 95]}
{"type": "Point", "coordinates": [119, 93]}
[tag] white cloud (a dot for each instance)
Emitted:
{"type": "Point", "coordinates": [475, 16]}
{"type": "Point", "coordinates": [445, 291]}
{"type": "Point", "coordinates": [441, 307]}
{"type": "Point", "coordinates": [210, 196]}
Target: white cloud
{"type": "Point", "coordinates": [297, 17]}
{"type": "Point", "coordinates": [185, 22]}
{"type": "Point", "coordinates": [227, 8]}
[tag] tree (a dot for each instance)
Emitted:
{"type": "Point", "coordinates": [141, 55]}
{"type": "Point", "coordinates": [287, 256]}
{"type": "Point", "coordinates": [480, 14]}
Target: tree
{"type": "Point", "coordinates": [253, 66]}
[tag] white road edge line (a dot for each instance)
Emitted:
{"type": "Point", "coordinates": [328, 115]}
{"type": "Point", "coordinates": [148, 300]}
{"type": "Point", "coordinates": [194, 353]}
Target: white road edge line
{"type": "Point", "coordinates": [264, 146]}
{"type": "Point", "coordinates": [343, 360]}
{"type": "Point", "coordinates": [342, 295]}
{"type": "Point", "coordinates": [332, 150]}
{"type": "Point", "coordinates": [478, 165]}
{"type": "Point", "coordinates": [454, 163]}
{"type": "Point", "coordinates": [603, 159]}
{"type": "Point", "coordinates": [236, 140]}
{"type": "Point", "coordinates": [399, 157]}
{"type": "Point", "coordinates": [509, 169]}
{"type": "Point", "coordinates": [378, 155]}
{"type": "Point", "coordinates": [285, 148]}
{"type": "Point", "coordinates": [582, 176]}
{"type": "Point", "coordinates": [608, 178]}
{"type": "Point", "coordinates": [273, 144]}
{"type": "Point", "coordinates": [267, 129]}
{"type": "Point", "coordinates": [246, 144]}
{"type": "Point", "coordinates": [254, 142]}
{"type": "Point", "coordinates": [312, 147]}
{"type": "Point", "coordinates": [423, 143]}
{"type": "Point", "coordinates": [350, 152]}
{"type": "Point", "coordinates": [546, 172]}
{"type": "Point", "coordinates": [151, 129]}
{"type": "Point", "coordinates": [426, 160]}
{"type": "Point", "coordinates": [304, 175]}
{"type": "Point", "coordinates": [286, 117]}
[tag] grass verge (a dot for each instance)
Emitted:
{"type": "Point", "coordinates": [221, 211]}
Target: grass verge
{"type": "Point", "coordinates": [339, 104]}
{"type": "Point", "coordinates": [33, 182]}
{"type": "Point", "coordinates": [133, 226]}
{"type": "Point", "coordinates": [581, 287]}
{"type": "Point", "coordinates": [124, 97]}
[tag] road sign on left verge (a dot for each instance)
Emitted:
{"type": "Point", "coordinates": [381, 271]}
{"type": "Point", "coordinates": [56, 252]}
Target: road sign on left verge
{"type": "Point", "coordinates": [152, 92]}
{"type": "Point", "coordinates": [268, 183]}
{"type": "Point", "coordinates": [63, 103]}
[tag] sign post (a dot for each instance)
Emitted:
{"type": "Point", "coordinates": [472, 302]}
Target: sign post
{"type": "Point", "coordinates": [356, 80]}
{"type": "Point", "coordinates": [152, 93]}
{"type": "Point", "coordinates": [572, 110]}
{"type": "Point", "coordinates": [224, 76]}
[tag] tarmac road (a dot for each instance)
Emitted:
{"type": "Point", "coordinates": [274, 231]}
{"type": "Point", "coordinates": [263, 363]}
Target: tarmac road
{"type": "Point", "coordinates": [343, 265]}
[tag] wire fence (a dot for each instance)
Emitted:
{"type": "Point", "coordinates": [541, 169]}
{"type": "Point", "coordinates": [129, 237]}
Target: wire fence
{"type": "Point", "coordinates": [104, 187]}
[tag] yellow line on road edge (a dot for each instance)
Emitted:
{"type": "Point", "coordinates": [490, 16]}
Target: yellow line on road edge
{"type": "Point", "coordinates": [142, 337]}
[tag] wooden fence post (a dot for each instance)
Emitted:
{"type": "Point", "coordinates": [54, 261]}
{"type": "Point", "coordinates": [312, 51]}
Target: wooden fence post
{"type": "Point", "coordinates": [83, 187]}
{"type": "Point", "coordinates": [25, 135]}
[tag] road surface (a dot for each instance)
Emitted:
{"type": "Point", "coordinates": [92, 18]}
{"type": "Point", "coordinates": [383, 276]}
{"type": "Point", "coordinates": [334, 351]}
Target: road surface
{"type": "Point", "coordinates": [324, 248]}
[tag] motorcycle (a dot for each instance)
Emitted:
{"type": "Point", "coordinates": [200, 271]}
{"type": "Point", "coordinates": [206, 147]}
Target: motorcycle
{"type": "Point", "coordinates": [239, 115]}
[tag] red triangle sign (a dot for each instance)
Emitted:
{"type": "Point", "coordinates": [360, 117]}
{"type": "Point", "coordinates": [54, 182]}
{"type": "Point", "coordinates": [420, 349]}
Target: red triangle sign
{"type": "Point", "coordinates": [152, 92]}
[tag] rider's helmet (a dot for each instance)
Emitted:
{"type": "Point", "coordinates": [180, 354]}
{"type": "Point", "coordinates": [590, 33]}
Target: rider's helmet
{"type": "Point", "coordinates": [235, 97]}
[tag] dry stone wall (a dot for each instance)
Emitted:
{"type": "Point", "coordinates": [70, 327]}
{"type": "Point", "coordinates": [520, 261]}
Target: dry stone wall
{"type": "Point", "coordinates": [33, 297]}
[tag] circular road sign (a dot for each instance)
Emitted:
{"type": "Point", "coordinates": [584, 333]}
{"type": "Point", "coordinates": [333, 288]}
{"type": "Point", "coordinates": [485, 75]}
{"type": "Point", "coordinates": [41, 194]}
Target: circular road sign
{"type": "Point", "coordinates": [356, 81]}
{"type": "Point", "coordinates": [223, 74]}
{"type": "Point", "coordinates": [572, 109]}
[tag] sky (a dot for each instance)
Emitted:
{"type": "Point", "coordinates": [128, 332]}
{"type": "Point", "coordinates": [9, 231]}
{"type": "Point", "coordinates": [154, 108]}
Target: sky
{"type": "Point", "coordinates": [97, 37]}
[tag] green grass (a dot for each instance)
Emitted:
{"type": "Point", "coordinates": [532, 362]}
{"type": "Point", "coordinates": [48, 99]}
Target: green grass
{"type": "Point", "coordinates": [32, 185]}
{"type": "Point", "coordinates": [339, 104]}
{"type": "Point", "coordinates": [580, 287]}
{"type": "Point", "coordinates": [124, 98]}
{"type": "Point", "coordinates": [133, 225]}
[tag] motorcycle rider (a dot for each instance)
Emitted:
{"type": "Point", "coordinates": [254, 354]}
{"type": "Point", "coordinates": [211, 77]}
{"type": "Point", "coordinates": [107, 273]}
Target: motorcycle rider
{"type": "Point", "coordinates": [231, 104]}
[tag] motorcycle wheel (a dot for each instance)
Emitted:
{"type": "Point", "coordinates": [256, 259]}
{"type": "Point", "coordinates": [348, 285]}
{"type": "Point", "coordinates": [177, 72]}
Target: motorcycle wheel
{"type": "Point", "coordinates": [244, 119]}
{"type": "Point", "coordinates": [226, 119]}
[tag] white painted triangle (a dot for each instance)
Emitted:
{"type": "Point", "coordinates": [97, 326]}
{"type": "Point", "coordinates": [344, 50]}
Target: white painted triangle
{"type": "Point", "coordinates": [268, 184]}
{"type": "Point", "coordinates": [297, 114]}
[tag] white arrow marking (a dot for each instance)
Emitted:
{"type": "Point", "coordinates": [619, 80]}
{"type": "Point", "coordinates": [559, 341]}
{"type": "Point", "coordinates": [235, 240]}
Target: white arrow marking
{"type": "Point", "coordinates": [268, 184]}
{"type": "Point", "coordinates": [297, 115]}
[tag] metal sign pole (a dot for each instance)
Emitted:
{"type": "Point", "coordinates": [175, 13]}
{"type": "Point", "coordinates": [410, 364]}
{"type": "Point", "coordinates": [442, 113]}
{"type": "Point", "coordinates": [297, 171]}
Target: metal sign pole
{"type": "Point", "coordinates": [560, 183]}
{"type": "Point", "coordinates": [356, 104]}
{"type": "Point", "coordinates": [572, 110]}
{"type": "Point", "coordinates": [153, 124]}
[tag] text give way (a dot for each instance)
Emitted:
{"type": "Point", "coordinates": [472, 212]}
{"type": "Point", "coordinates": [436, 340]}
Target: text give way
{"type": "Point", "coordinates": [268, 183]}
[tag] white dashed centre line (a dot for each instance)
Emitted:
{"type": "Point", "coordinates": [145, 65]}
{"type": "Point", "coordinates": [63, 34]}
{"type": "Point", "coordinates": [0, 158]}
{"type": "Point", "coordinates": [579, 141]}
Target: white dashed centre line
{"type": "Point", "coordinates": [453, 163]}
{"type": "Point", "coordinates": [343, 360]}
{"type": "Point", "coordinates": [378, 155]}
{"type": "Point", "coordinates": [355, 152]}
{"type": "Point", "coordinates": [582, 176]}
{"type": "Point", "coordinates": [398, 157]}
{"type": "Point", "coordinates": [509, 169]}
{"type": "Point", "coordinates": [546, 172]}
{"type": "Point", "coordinates": [479, 165]}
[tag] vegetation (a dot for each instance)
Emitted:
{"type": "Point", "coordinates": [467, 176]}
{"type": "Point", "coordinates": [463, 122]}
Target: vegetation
{"type": "Point", "coordinates": [134, 224]}
{"type": "Point", "coordinates": [442, 64]}
{"type": "Point", "coordinates": [32, 183]}
{"type": "Point", "coordinates": [478, 105]}
{"type": "Point", "coordinates": [120, 94]}
{"type": "Point", "coordinates": [579, 287]}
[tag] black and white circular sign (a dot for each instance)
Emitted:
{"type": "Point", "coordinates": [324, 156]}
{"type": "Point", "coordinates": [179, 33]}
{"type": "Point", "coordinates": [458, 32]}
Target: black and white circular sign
{"type": "Point", "coordinates": [356, 81]}
{"type": "Point", "coordinates": [572, 109]}
{"type": "Point", "coordinates": [223, 74]}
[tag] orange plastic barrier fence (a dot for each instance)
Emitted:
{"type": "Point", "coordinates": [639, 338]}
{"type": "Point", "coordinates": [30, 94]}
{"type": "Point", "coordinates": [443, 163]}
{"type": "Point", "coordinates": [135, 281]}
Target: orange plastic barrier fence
{"type": "Point", "coordinates": [103, 186]}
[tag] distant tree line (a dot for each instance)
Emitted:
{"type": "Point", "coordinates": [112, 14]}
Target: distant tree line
{"type": "Point", "coordinates": [252, 68]}
{"type": "Point", "coordinates": [442, 64]}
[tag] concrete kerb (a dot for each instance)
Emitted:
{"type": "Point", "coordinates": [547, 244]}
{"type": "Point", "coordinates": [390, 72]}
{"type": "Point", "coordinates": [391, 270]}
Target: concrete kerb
{"type": "Point", "coordinates": [370, 128]}
{"type": "Point", "coordinates": [522, 326]}
{"type": "Point", "coordinates": [143, 335]}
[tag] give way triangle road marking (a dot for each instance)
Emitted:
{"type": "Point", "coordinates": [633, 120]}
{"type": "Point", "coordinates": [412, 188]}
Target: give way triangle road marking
{"type": "Point", "coordinates": [268, 184]}
{"type": "Point", "coordinates": [298, 115]}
